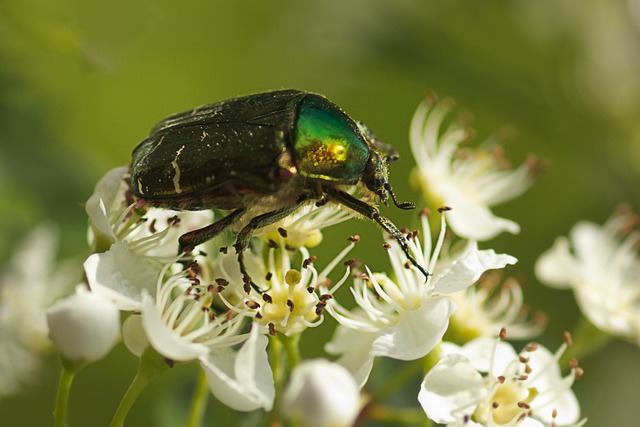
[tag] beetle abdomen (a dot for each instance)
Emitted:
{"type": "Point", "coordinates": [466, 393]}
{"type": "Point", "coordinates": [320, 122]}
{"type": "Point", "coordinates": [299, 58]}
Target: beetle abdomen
{"type": "Point", "coordinates": [218, 153]}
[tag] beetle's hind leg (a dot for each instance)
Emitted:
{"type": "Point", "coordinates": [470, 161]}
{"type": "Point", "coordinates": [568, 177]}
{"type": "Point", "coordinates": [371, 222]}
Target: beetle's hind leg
{"type": "Point", "coordinates": [260, 221]}
{"type": "Point", "coordinates": [190, 240]}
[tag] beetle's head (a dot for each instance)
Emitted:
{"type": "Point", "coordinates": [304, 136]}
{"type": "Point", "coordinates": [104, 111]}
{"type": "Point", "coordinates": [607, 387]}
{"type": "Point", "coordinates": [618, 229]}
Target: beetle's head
{"type": "Point", "coordinates": [376, 176]}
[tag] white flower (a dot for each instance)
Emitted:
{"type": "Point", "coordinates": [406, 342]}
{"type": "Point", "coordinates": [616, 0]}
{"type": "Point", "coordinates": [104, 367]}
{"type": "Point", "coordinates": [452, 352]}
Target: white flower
{"type": "Point", "coordinates": [29, 284]}
{"type": "Point", "coordinates": [470, 180]}
{"type": "Point", "coordinates": [84, 326]}
{"type": "Point", "coordinates": [603, 269]}
{"type": "Point", "coordinates": [242, 380]}
{"type": "Point", "coordinates": [405, 318]}
{"type": "Point", "coordinates": [290, 298]}
{"type": "Point", "coordinates": [138, 246]}
{"type": "Point", "coordinates": [486, 384]}
{"type": "Point", "coordinates": [178, 320]}
{"type": "Point", "coordinates": [489, 306]}
{"type": "Point", "coordinates": [321, 394]}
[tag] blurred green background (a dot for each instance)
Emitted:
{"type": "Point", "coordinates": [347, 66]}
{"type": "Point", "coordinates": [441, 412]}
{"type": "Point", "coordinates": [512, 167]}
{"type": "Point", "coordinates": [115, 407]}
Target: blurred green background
{"type": "Point", "coordinates": [82, 82]}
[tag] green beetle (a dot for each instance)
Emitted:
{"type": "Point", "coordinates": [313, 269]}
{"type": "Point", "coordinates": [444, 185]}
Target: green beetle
{"type": "Point", "coordinates": [262, 157]}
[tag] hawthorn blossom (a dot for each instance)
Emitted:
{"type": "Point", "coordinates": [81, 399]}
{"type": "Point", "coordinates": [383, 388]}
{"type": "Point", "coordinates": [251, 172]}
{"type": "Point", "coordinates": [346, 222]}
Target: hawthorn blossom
{"type": "Point", "coordinates": [138, 243]}
{"type": "Point", "coordinates": [180, 321]}
{"type": "Point", "coordinates": [29, 283]}
{"type": "Point", "coordinates": [602, 267]}
{"type": "Point", "coordinates": [490, 305]}
{"type": "Point", "coordinates": [486, 383]}
{"type": "Point", "coordinates": [290, 298]}
{"type": "Point", "coordinates": [304, 227]}
{"type": "Point", "coordinates": [471, 181]}
{"type": "Point", "coordinates": [405, 318]}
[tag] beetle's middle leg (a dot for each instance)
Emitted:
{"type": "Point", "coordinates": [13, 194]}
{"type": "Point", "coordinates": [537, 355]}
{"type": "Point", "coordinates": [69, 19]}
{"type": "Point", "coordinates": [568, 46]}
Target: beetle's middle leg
{"type": "Point", "coordinates": [260, 221]}
{"type": "Point", "coordinates": [190, 240]}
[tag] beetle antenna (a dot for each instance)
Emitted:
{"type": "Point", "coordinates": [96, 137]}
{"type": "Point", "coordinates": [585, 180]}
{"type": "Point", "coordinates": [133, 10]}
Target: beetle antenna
{"type": "Point", "coordinates": [404, 205]}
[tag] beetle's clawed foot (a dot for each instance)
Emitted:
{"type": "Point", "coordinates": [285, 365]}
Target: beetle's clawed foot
{"type": "Point", "coordinates": [424, 272]}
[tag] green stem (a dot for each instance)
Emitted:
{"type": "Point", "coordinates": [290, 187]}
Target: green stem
{"type": "Point", "coordinates": [61, 410]}
{"type": "Point", "coordinates": [151, 365]}
{"type": "Point", "coordinates": [199, 402]}
{"type": "Point", "coordinates": [281, 367]}
{"type": "Point", "coordinates": [292, 349]}
{"type": "Point", "coordinates": [275, 347]}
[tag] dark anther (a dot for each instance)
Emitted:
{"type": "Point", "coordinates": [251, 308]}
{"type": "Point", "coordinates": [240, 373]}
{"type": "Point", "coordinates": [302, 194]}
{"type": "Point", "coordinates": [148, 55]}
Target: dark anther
{"type": "Point", "coordinates": [354, 239]}
{"type": "Point", "coordinates": [268, 276]}
{"type": "Point", "coordinates": [290, 305]}
{"type": "Point", "coordinates": [267, 298]}
{"type": "Point", "coordinates": [307, 262]}
{"type": "Point", "coordinates": [282, 232]}
{"type": "Point", "coordinates": [253, 305]}
{"type": "Point", "coordinates": [272, 244]}
{"type": "Point", "coordinates": [224, 250]}
{"type": "Point", "coordinates": [444, 209]}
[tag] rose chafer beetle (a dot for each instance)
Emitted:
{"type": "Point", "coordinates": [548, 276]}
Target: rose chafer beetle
{"type": "Point", "coordinates": [262, 157]}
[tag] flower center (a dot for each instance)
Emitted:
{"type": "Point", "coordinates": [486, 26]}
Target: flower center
{"type": "Point", "coordinates": [290, 307]}
{"type": "Point", "coordinates": [506, 405]}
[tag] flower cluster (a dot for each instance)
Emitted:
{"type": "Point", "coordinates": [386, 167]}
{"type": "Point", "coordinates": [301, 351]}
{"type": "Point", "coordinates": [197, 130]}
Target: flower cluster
{"type": "Point", "coordinates": [602, 266]}
{"type": "Point", "coordinates": [486, 383]}
{"type": "Point", "coordinates": [199, 306]}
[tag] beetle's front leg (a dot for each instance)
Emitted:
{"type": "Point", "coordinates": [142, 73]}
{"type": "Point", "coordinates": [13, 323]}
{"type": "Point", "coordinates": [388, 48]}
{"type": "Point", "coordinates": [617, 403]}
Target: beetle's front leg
{"type": "Point", "coordinates": [190, 240]}
{"type": "Point", "coordinates": [260, 221]}
{"type": "Point", "coordinates": [372, 212]}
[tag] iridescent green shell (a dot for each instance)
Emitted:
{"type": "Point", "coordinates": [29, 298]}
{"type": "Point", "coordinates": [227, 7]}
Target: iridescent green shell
{"type": "Point", "coordinates": [327, 143]}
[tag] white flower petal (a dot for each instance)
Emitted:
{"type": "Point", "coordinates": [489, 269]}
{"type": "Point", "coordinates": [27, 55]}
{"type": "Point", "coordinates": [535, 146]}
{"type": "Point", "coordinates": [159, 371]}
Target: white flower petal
{"type": "Point", "coordinates": [481, 353]}
{"type": "Point", "coordinates": [450, 385]}
{"type": "Point", "coordinates": [475, 221]}
{"type": "Point", "coordinates": [163, 339]}
{"type": "Point", "coordinates": [417, 331]}
{"type": "Point", "coordinates": [120, 275]}
{"type": "Point", "coordinates": [354, 346]}
{"type": "Point", "coordinates": [248, 393]}
{"type": "Point", "coordinates": [133, 335]}
{"type": "Point", "coordinates": [254, 371]}
{"type": "Point", "coordinates": [468, 268]}
{"type": "Point", "coordinates": [556, 267]}
{"type": "Point", "coordinates": [101, 202]}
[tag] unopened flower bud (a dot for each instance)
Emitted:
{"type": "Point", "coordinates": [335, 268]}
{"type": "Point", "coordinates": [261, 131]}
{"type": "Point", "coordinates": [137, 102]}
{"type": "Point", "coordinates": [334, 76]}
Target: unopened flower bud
{"type": "Point", "coordinates": [84, 326]}
{"type": "Point", "coordinates": [321, 394]}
